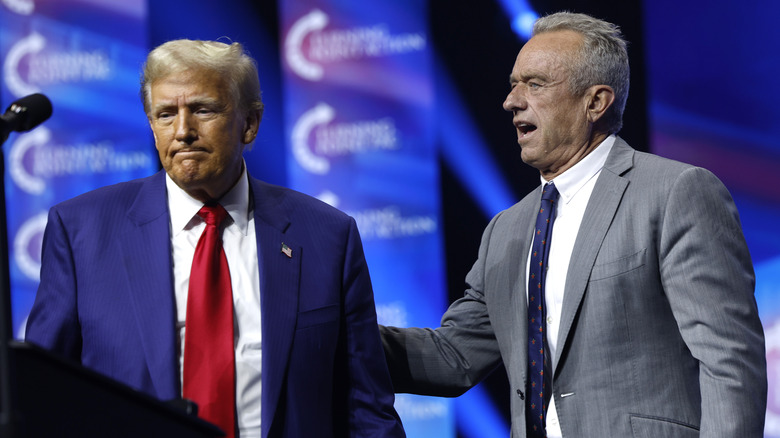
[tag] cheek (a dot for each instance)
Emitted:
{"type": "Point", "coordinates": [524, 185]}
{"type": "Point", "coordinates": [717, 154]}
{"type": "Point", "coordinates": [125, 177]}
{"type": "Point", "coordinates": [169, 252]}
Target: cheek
{"type": "Point", "coordinates": [565, 120]}
{"type": "Point", "coordinates": [162, 138]}
{"type": "Point", "coordinates": [162, 149]}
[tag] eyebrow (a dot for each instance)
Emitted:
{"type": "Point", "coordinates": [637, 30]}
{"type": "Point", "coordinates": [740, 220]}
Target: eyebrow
{"type": "Point", "coordinates": [529, 75]}
{"type": "Point", "coordinates": [195, 102]}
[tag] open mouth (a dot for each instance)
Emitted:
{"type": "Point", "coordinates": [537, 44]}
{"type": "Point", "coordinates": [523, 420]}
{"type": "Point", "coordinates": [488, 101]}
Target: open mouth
{"type": "Point", "coordinates": [526, 128]}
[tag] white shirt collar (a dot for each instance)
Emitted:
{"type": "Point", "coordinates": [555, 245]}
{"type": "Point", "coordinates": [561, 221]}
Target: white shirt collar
{"type": "Point", "coordinates": [573, 179]}
{"type": "Point", "coordinates": [184, 208]}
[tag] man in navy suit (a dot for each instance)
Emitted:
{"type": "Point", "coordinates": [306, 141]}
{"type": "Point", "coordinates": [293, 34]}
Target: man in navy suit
{"type": "Point", "coordinates": [115, 273]}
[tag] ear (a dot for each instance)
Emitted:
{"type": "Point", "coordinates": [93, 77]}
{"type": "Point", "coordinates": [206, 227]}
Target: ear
{"type": "Point", "coordinates": [251, 125]}
{"type": "Point", "coordinates": [600, 98]}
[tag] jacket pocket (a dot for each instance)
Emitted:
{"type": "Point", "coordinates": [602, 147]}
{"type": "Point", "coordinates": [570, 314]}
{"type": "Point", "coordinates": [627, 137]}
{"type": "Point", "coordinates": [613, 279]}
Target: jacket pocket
{"type": "Point", "coordinates": [319, 316]}
{"type": "Point", "coordinates": [619, 266]}
{"type": "Point", "coordinates": [652, 427]}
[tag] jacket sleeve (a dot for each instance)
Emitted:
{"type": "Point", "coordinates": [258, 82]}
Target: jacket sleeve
{"type": "Point", "coordinates": [448, 360]}
{"type": "Point", "coordinates": [708, 278]}
{"type": "Point", "coordinates": [53, 322]}
{"type": "Point", "coordinates": [370, 393]}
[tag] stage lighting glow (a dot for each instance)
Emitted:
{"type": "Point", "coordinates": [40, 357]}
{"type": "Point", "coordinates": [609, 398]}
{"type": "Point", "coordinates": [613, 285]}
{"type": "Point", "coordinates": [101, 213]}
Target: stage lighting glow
{"type": "Point", "coordinates": [466, 153]}
{"type": "Point", "coordinates": [522, 16]}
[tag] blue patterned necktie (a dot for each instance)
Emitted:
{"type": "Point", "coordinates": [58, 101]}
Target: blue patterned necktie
{"type": "Point", "coordinates": [538, 379]}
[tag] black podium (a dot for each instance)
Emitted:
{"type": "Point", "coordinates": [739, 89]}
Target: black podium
{"type": "Point", "coordinates": [55, 398]}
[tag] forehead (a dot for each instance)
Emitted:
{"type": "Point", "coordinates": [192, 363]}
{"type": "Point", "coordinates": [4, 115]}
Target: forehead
{"type": "Point", "coordinates": [548, 52]}
{"type": "Point", "coordinates": [190, 84]}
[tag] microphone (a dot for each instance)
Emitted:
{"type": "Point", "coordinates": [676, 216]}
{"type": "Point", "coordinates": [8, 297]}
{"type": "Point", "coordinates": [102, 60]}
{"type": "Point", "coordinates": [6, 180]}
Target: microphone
{"type": "Point", "coordinates": [25, 114]}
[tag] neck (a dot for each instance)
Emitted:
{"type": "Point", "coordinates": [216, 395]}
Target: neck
{"type": "Point", "coordinates": [595, 140]}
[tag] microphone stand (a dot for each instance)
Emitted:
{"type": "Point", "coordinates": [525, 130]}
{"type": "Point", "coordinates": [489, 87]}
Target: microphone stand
{"type": "Point", "coordinates": [9, 418]}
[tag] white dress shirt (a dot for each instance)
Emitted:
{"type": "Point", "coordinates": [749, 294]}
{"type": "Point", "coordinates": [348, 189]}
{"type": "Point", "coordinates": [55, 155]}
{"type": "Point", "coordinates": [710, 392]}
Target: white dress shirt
{"type": "Point", "coordinates": [240, 245]}
{"type": "Point", "coordinates": [575, 186]}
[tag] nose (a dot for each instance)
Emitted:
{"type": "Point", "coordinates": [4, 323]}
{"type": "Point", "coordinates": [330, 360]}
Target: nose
{"type": "Point", "coordinates": [185, 127]}
{"type": "Point", "coordinates": [515, 100]}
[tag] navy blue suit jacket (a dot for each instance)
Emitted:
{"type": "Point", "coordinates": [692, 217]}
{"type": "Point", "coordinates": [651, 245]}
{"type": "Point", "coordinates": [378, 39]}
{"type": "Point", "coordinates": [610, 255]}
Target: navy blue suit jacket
{"type": "Point", "coordinates": [106, 300]}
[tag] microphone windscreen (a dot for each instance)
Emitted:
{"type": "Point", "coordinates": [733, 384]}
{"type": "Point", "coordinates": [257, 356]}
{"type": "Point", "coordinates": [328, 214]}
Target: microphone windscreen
{"type": "Point", "coordinates": [37, 109]}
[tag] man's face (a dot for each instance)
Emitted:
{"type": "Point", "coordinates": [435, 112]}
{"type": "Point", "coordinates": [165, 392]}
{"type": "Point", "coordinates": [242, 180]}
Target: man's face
{"type": "Point", "coordinates": [552, 124]}
{"type": "Point", "coordinates": [199, 132]}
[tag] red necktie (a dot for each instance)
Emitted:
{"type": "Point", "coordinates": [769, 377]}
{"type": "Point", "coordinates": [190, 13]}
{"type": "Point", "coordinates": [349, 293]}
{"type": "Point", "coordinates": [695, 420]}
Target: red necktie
{"type": "Point", "coordinates": [209, 357]}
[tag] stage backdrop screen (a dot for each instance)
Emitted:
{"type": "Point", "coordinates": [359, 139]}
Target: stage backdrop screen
{"type": "Point", "coordinates": [85, 56]}
{"type": "Point", "coordinates": [358, 93]}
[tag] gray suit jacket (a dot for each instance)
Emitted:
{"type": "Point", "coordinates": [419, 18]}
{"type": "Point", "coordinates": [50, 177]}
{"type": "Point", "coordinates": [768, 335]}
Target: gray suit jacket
{"type": "Point", "coordinates": [659, 335]}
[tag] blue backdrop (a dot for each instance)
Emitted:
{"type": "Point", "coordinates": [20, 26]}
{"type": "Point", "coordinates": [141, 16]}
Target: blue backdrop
{"type": "Point", "coordinates": [358, 105]}
{"type": "Point", "coordinates": [713, 93]}
{"type": "Point", "coordinates": [85, 56]}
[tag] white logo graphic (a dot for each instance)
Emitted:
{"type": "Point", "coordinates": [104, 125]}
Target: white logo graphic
{"type": "Point", "coordinates": [384, 223]}
{"type": "Point", "coordinates": [319, 115]}
{"type": "Point", "coordinates": [51, 68]}
{"type": "Point", "coordinates": [315, 20]}
{"type": "Point", "coordinates": [29, 259]}
{"type": "Point", "coordinates": [33, 160]}
{"type": "Point", "coordinates": [26, 46]}
{"type": "Point", "coordinates": [338, 139]}
{"type": "Point", "coordinates": [21, 7]}
{"type": "Point", "coordinates": [24, 179]}
{"type": "Point", "coordinates": [341, 44]}
{"type": "Point", "coordinates": [389, 223]}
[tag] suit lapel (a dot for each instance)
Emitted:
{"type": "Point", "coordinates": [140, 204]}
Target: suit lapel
{"type": "Point", "coordinates": [146, 254]}
{"type": "Point", "coordinates": [518, 299]}
{"type": "Point", "coordinates": [599, 214]}
{"type": "Point", "coordinates": [279, 280]}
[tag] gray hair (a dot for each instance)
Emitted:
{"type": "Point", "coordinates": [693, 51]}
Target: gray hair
{"type": "Point", "coordinates": [229, 60]}
{"type": "Point", "coordinates": [602, 60]}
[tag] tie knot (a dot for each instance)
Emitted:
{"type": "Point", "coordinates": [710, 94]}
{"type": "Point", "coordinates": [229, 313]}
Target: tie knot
{"type": "Point", "coordinates": [549, 192]}
{"type": "Point", "coordinates": [213, 214]}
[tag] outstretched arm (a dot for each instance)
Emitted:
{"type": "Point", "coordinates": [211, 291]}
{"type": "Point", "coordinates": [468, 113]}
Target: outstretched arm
{"type": "Point", "coordinates": [448, 360]}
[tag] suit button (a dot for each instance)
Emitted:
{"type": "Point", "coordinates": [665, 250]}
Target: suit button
{"type": "Point", "coordinates": [520, 393]}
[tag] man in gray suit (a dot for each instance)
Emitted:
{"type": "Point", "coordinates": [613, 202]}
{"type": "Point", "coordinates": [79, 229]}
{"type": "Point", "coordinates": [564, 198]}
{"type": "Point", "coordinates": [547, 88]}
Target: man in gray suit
{"type": "Point", "coordinates": [650, 323]}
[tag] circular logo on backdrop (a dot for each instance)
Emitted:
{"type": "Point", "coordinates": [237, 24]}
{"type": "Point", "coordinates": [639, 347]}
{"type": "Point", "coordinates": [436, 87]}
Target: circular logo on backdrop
{"type": "Point", "coordinates": [21, 160]}
{"type": "Point", "coordinates": [35, 160]}
{"type": "Point", "coordinates": [29, 45]}
{"type": "Point", "coordinates": [315, 20]}
{"type": "Point", "coordinates": [337, 139]}
{"type": "Point", "coordinates": [32, 63]}
{"type": "Point", "coordinates": [308, 46]}
{"type": "Point", "coordinates": [27, 246]}
{"type": "Point", "coordinates": [319, 115]}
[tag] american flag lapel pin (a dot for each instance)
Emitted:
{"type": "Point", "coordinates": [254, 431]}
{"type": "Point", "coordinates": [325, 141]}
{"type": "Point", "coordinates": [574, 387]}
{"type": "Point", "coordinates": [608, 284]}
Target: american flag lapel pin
{"type": "Point", "coordinates": [286, 250]}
